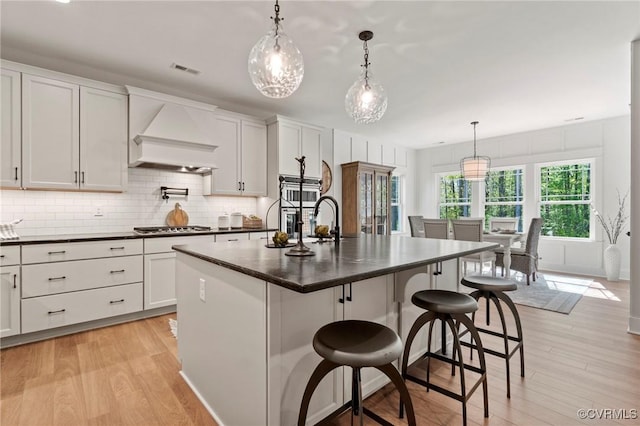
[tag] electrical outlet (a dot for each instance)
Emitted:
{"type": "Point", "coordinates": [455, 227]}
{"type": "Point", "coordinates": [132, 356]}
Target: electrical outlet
{"type": "Point", "coordinates": [98, 211]}
{"type": "Point", "coordinates": [202, 287]}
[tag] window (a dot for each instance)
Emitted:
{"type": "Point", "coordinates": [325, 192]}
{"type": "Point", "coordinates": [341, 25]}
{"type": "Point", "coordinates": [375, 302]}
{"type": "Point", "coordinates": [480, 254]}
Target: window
{"type": "Point", "coordinates": [455, 197]}
{"type": "Point", "coordinates": [397, 201]}
{"type": "Point", "coordinates": [504, 195]}
{"type": "Point", "coordinates": [565, 197]}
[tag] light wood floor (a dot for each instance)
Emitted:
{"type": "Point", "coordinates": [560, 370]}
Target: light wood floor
{"type": "Point", "coordinates": [128, 374]}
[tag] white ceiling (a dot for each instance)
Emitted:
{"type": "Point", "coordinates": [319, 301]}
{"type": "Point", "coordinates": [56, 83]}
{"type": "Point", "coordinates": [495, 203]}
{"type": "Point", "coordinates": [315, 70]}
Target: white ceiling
{"type": "Point", "coordinates": [513, 66]}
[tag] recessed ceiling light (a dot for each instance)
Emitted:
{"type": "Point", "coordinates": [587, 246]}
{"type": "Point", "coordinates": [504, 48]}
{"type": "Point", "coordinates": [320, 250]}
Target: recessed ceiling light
{"type": "Point", "coordinates": [185, 69]}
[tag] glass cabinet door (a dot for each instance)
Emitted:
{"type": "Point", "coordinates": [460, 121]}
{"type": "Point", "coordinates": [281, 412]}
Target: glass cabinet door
{"type": "Point", "coordinates": [381, 201]}
{"type": "Point", "coordinates": [366, 202]}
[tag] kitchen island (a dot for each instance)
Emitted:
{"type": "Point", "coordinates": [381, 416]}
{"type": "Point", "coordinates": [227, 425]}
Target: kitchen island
{"type": "Point", "coordinates": [247, 316]}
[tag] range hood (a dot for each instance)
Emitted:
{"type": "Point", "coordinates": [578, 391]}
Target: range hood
{"type": "Point", "coordinates": [170, 136]}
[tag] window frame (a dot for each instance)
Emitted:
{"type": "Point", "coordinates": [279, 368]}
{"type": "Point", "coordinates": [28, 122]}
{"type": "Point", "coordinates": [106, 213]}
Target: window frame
{"type": "Point", "coordinates": [590, 202]}
{"type": "Point", "coordinates": [401, 204]}
{"type": "Point", "coordinates": [485, 203]}
{"type": "Point", "coordinates": [441, 204]}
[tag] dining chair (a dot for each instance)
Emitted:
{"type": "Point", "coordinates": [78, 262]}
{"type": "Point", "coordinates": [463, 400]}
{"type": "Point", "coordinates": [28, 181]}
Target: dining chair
{"type": "Point", "coordinates": [415, 223]}
{"type": "Point", "coordinates": [525, 260]}
{"type": "Point", "coordinates": [471, 230]}
{"type": "Point", "coordinates": [436, 228]}
{"type": "Point", "coordinates": [503, 223]}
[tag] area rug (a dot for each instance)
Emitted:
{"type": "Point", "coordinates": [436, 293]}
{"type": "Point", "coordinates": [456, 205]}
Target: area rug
{"type": "Point", "coordinates": [550, 292]}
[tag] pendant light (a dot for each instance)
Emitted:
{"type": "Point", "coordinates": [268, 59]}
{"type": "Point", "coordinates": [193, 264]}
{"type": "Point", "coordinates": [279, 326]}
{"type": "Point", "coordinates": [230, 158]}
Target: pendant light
{"type": "Point", "coordinates": [476, 167]}
{"type": "Point", "coordinates": [276, 66]}
{"type": "Point", "coordinates": [366, 100]}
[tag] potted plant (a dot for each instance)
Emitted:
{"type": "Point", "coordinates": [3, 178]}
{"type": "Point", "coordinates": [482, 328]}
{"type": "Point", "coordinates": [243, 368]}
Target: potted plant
{"type": "Point", "coordinates": [613, 229]}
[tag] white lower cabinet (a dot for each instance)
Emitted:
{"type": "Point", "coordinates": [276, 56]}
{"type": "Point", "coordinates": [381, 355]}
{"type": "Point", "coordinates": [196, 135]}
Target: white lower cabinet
{"type": "Point", "coordinates": [9, 300]}
{"type": "Point", "coordinates": [160, 268]}
{"type": "Point", "coordinates": [40, 313]}
{"type": "Point", "coordinates": [293, 320]}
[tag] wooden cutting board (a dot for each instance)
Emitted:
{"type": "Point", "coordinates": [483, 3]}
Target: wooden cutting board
{"type": "Point", "coordinates": [177, 217]}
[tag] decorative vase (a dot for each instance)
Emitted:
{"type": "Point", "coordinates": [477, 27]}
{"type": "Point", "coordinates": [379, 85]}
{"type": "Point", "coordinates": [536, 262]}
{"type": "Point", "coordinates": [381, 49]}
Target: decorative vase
{"type": "Point", "coordinates": [612, 262]}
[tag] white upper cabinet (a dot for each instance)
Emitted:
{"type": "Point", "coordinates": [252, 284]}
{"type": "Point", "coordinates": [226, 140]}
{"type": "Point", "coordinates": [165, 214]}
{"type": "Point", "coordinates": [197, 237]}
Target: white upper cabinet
{"type": "Point", "coordinates": [10, 168]}
{"type": "Point", "coordinates": [241, 158]}
{"type": "Point", "coordinates": [254, 158]}
{"type": "Point", "coordinates": [73, 137]}
{"type": "Point", "coordinates": [288, 140]}
{"type": "Point", "coordinates": [103, 140]}
{"type": "Point", "coordinates": [51, 133]}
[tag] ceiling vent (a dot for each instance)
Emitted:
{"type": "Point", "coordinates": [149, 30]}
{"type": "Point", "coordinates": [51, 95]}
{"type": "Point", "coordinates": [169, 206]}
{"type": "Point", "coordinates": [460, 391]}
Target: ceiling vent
{"type": "Point", "coordinates": [185, 69]}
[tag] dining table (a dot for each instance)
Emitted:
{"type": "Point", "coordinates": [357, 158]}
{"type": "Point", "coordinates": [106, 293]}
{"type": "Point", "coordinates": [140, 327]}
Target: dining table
{"type": "Point", "coordinates": [506, 240]}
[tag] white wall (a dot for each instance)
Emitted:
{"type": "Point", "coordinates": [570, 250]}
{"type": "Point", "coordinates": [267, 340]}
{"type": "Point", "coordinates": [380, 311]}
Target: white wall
{"type": "Point", "coordinates": [348, 147]}
{"type": "Point", "coordinates": [58, 212]}
{"type": "Point", "coordinates": [607, 141]}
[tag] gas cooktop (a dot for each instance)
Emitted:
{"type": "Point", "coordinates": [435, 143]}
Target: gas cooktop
{"type": "Point", "coordinates": [147, 230]}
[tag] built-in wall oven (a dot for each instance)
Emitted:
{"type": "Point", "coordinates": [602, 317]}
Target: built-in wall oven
{"type": "Point", "coordinates": [290, 204]}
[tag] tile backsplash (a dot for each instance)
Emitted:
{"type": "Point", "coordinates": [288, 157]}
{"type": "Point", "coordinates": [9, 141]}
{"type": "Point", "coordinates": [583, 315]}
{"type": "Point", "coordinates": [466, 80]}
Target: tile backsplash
{"type": "Point", "coordinates": [60, 212]}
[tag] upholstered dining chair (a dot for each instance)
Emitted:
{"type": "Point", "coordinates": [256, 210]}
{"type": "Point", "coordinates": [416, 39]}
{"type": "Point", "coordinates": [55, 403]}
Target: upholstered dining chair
{"type": "Point", "coordinates": [471, 230]}
{"type": "Point", "coordinates": [525, 260]}
{"type": "Point", "coordinates": [503, 223]}
{"type": "Point", "coordinates": [436, 228]}
{"type": "Point", "coordinates": [415, 223]}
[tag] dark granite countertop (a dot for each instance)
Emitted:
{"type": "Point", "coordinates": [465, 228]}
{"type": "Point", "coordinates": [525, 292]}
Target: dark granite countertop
{"type": "Point", "coordinates": [354, 260]}
{"type": "Point", "coordinates": [74, 238]}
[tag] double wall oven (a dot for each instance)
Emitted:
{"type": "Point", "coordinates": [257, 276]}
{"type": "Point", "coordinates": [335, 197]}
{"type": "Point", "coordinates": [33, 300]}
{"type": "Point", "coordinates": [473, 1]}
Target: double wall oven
{"type": "Point", "coordinates": [290, 203]}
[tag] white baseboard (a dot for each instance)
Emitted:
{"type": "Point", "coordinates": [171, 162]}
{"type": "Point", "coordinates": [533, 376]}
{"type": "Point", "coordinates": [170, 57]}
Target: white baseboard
{"type": "Point", "coordinates": [625, 274]}
{"type": "Point", "coordinates": [634, 325]}
{"type": "Point", "coordinates": [202, 400]}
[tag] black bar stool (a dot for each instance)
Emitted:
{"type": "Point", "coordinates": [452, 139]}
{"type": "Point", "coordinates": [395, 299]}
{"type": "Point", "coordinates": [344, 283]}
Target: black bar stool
{"type": "Point", "coordinates": [492, 288]}
{"type": "Point", "coordinates": [451, 308]}
{"type": "Point", "coordinates": [356, 344]}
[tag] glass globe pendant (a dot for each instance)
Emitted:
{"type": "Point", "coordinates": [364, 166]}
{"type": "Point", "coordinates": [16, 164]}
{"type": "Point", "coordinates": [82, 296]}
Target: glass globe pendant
{"type": "Point", "coordinates": [275, 64]}
{"type": "Point", "coordinates": [366, 99]}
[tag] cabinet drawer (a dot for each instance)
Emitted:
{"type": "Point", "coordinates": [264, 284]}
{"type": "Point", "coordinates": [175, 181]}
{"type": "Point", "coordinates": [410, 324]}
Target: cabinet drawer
{"type": "Point", "coordinates": [164, 244]}
{"type": "Point", "coordinates": [63, 277]}
{"type": "Point", "coordinates": [40, 313]}
{"type": "Point", "coordinates": [40, 253]}
{"type": "Point", "coordinates": [232, 237]}
{"type": "Point", "coordinates": [261, 235]}
{"type": "Point", "coordinates": [9, 255]}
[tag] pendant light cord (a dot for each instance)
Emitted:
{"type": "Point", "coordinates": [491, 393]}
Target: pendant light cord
{"type": "Point", "coordinates": [277, 19]}
{"type": "Point", "coordinates": [366, 64]}
{"type": "Point", "coordinates": [474, 138]}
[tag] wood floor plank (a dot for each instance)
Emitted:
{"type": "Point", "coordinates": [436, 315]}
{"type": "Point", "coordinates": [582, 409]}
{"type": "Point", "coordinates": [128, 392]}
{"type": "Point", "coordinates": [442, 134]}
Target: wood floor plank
{"type": "Point", "coordinates": [128, 374]}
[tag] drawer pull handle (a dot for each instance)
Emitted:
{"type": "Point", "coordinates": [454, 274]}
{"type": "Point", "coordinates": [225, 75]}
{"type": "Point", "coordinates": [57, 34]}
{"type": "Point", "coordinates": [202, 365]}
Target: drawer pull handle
{"type": "Point", "coordinates": [1, 256]}
{"type": "Point", "coordinates": [58, 278]}
{"type": "Point", "coordinates": [16, 178]}
{"type": "Point", "coordinates": [58, 252]}
{"type": "Point", "coordinates": [14, 280]}
{"type": "Point", "coordinates": [117, 248]}
{"type": "Point", "coordinates": [59, 311]}
{"type": "Point", "coordinates": [119, 271]}
{"type": "Point", "coordinates": [233, 239]}
{"type": "Point", "coordinates": [116, 301]}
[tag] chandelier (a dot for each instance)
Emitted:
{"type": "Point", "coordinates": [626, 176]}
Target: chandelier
{"type": "Point", "coordinates": [476, 167]}
{"type": "Point", "coordinates": [276, 66]}
{"type": "Point", "coordinates": [366, 100]}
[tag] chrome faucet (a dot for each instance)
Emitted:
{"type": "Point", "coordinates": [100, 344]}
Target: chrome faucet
{"type": "Point", "coordinates": [336, 230]}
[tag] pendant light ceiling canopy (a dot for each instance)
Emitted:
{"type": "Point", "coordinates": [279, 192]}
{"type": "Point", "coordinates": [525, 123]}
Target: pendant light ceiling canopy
{"type": "Point", "coordinates": [276, 66]}
{"type": "Point", "coordinates": [366, 99]}
{"type": "Point", "coordinates": [476, 167]}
